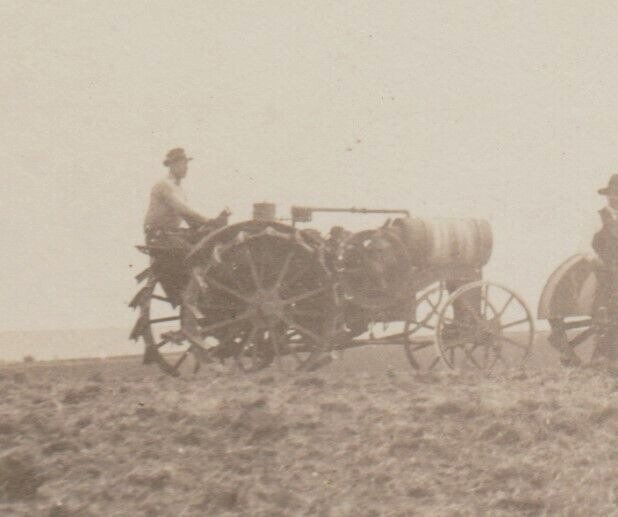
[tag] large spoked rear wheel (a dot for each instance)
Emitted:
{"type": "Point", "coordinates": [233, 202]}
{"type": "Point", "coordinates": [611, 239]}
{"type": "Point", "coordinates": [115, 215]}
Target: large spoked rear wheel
{"type": "Point", "coordinates": [159, 326]}
{"type": "Point", "coordinates": [262, 296]}
{"type": "Point", "coordinates": [484, 326]}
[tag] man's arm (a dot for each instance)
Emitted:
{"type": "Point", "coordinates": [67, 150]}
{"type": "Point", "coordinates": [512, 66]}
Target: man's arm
{"type": "Point", "coordinates": [179, 206]}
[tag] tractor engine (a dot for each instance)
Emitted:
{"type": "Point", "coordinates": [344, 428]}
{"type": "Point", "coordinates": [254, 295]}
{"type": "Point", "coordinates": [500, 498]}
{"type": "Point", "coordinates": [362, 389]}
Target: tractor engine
{"type": "Point", "coordinates": [380, 268]}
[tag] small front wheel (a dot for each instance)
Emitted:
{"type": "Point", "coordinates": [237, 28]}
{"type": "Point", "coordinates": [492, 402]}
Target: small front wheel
{"type": "Point", "coordinates": [418, 341]}
{"type": "Point", "coordinates": [484, 325]}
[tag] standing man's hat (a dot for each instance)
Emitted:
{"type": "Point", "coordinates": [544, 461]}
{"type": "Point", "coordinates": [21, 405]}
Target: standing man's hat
{"type": "Point", "coordinates": [176, 155]}
{"type": "Point", "coordinates": [612, 186]}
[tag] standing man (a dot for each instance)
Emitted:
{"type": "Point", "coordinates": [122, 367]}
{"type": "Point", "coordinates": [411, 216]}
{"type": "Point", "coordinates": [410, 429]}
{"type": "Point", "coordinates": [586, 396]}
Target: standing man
{"type": "Point", "coordinates": [168, 204]}
{"type": "Point", "coordinates": [605, 241]}
{"type": "Point", "coordinates": [605, 244]}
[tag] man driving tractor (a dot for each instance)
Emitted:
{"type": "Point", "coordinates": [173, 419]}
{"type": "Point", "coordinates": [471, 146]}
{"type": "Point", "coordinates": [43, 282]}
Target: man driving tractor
{"type": "Point", "coordinates": [167, 240]}
{"type": "Point", "coordinates": [168, 205]}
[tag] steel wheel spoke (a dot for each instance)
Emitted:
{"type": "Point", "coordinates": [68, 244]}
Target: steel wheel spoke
{"type": "Point", "coordinates": [304, 296]}
{"type": "Point", "coordinates": [511, 298]}
{"type": "Point", "coordinates": [514, 323]}
{"type": "Point", "coordinates": [254, 274]}
{"type": "Point", "coordinates": [426, 318]}
{"type": "Point", "coordinates": [161, 343]}
{"type": "Point", "coordinates": [511, 341]}
{"type": "Point", "coordinates": [484, 300]}
{"type": "Point", "coordinates": [415, 329]}
{"type": "Point", "coordinates": [433, 306]}
{"type": "Point", "coordinates": [221, 287]}
{"type": "Point", "coordinates": [197, 314]}
{"type": "Point", "coordinates": [427, 326]}
{"type": "Point", "coordinates": [434, 363]}
{"type": "Point", "coordinates": [162, 320]}
{"type": "Point", "coordinates": [181, 360]}
{"type": "Point", "coordinates": [580, 338]}
{"type": "Point", "coordinates": [265, 258]}
{"type": "Point", "coordinates": [421, 346]}
{"type": "Point", "coordinates": [225, 323]}
{"type": "Point", "coordinates": [284, 268]}
{"type": "Point", "coordinates": [302, 329]}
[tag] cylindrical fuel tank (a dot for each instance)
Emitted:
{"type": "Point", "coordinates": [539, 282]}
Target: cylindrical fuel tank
{"type": "Point", "coordinates": [264, 211]}
{"type": "Point", "coordinates": [446, 242]}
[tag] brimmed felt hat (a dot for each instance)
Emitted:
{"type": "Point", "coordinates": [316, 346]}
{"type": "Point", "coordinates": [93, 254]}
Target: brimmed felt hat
{"type": "Point", "coordinates": [176, 155]}
{"type": "Point", "coordinates": [612, 186]}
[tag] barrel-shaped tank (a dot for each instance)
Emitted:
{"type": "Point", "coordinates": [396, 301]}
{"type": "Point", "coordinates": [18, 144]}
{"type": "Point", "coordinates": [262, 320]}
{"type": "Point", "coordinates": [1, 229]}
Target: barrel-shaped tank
{"type": "Point", "coordinates": [447, 241]}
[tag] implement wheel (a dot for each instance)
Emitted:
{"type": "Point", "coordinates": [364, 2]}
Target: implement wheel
{"type": "Point", "coordinates": [261, 295]}
{"type": "Point", "coordinates": [583, 340]}
{"type": "Point", "coordinates": [159, 326]}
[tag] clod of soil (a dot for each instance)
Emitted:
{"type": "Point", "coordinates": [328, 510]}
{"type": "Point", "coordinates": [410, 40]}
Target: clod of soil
{"type": "Point", "coordinates": [20, 477]}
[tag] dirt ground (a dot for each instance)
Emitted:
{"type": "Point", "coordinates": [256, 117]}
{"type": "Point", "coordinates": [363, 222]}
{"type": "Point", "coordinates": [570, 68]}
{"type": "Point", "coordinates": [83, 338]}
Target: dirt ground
{"type": "Point", "coordinates": [112, 437]}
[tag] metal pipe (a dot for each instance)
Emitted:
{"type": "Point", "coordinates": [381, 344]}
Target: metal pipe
{"type": "Point", "coordinates": [303, 214]}
{"type": "Point", "coordinates": [354, 210]}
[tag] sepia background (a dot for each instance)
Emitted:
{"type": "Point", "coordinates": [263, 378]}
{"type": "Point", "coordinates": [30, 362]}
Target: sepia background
{"type": "Point", "coordinates": [501, 110]}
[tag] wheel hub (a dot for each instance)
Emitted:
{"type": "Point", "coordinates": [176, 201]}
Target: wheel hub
{"type": "Point", "coordinates": [488, 328]}
{"type": "Point", "coordinates": [268, 304]}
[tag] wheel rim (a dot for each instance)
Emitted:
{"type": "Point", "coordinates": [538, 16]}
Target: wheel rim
{"type": "Point", "coordinates": [495, 331]}
{"type": "Point", "coordinates": [262, 297]}
{"type": "Point", "coordinates": [164, 341]}
{"type": "Point", "coordinates": [420, 350]}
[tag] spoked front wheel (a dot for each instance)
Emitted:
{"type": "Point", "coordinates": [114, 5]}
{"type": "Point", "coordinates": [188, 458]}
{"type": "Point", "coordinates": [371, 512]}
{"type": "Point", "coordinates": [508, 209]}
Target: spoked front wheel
{"type": "Point", "coordinates": [484, 326]}
{"type": "Point", "coordinates": [420, 328]}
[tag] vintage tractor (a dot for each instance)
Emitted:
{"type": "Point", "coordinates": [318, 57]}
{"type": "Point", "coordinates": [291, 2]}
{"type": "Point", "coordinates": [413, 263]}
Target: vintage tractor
{"type": "Point", "coordinates": [266, 290]}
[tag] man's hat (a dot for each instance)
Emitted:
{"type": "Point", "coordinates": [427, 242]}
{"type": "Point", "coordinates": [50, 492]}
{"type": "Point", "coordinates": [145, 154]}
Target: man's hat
{"type": "Point", "coordinates": [612, 186]}
{"type": "Point", "coordinates": [176, 155]}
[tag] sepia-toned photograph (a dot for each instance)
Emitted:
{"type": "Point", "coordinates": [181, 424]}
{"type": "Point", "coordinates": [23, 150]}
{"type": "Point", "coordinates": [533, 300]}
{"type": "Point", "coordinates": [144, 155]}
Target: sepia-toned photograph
{"type": "Point", "coordinates": [331, 258]}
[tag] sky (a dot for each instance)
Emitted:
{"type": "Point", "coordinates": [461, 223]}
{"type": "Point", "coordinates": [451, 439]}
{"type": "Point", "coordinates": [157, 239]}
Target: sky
{"type": "Point", "coordinates": [502, 110]}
